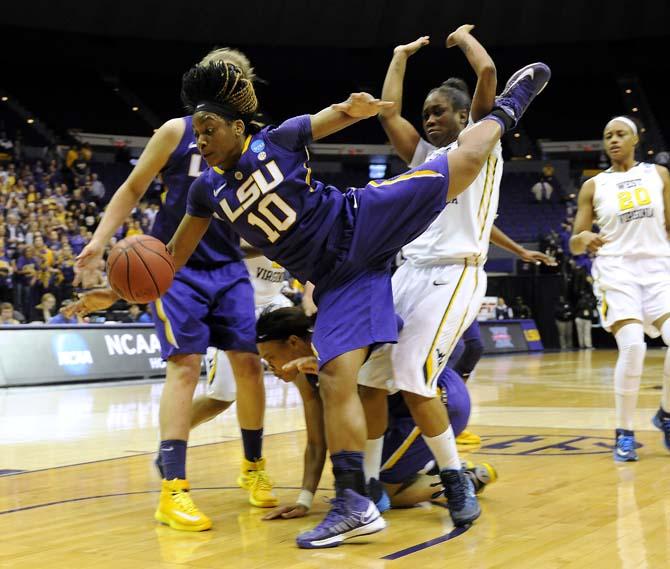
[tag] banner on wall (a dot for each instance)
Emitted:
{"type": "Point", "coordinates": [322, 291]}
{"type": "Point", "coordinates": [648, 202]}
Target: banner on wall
{"type": "Point", "coordinates": [506, 336]}
{"type": "Point", "coordinates": [32, 355]}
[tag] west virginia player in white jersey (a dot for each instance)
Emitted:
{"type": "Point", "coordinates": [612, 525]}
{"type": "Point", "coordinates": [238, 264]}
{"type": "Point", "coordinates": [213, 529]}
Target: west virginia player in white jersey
{"type": "Point", "coordinates": [268, 279]}
{"type": "Point", "coordinates": [438, 291]}
{"type": "Point", "coordinates": [630, 203]}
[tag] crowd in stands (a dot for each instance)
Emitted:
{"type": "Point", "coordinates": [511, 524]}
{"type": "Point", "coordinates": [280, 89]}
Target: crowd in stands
{"type": "Point", "coordinates": [48, 212]}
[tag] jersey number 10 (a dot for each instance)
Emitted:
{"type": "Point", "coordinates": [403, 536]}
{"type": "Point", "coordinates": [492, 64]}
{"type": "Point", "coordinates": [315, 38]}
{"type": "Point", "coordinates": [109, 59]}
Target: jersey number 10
{"type": "Point", "coordinates": [627, 201]}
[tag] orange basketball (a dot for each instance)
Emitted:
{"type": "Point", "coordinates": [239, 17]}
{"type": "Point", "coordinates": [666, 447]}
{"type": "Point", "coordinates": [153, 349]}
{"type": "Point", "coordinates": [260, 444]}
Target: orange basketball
{"type": "Point", "coordinates": [140, 268]}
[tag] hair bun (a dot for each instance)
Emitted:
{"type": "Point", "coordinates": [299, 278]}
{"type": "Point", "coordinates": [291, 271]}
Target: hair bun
{"type": "Point", "coordinates": [458, 84]}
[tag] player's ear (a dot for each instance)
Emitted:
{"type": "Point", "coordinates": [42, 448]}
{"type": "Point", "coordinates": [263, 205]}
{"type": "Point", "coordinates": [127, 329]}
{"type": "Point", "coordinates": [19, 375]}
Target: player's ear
{"type": "Point", "coordinates": [238, 127]}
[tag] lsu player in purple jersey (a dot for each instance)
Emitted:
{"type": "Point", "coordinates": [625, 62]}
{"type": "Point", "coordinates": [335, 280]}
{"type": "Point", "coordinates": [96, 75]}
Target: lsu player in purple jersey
{"type": "Point", "coordinates": [284, 340]}
{"type": "Point", "coordinates": [210, 303]}
{"type": "Point", "coordinates": [260, 183]}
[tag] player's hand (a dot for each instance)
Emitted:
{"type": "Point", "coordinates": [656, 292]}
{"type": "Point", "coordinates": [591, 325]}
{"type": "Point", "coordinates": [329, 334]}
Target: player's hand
{"type": "Point", "coordinates": [458, 34]}
{"type": "Point", "coordinates": [362, 106]}
{"type": "Point", "coordinates": [537, 257]}
{"type": "Point", "coordinates": [86, 265]}
{"type": "Point", "coordinates": [90, 302]}
{"type": "Point", "coordinates": [287, 512]}
{"type": "Point", "coordinates": [591, 241]}
{"type": "Point", "coordinates": [307, 364]}
{"type": "Point", "coordinates": [411, 48]}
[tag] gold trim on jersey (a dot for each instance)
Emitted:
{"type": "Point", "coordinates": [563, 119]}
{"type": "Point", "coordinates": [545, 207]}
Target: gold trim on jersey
{"type": "Point", "coordinates": [430, 367]}
{"type": "Point", "coordinates": [409, 176]}
{"type": "Point", "coordinates": [487, 194]}
{"type": "Point", "coordinates": [212, 368]}
{"type": "Point", "coordinates": [169, 334]}
{"type": "Point", "coordinates": [401, 450]}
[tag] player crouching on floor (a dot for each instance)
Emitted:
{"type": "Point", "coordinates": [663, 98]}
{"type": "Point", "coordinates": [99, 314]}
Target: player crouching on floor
{"type": "Point", "coordinates": [408, 474]}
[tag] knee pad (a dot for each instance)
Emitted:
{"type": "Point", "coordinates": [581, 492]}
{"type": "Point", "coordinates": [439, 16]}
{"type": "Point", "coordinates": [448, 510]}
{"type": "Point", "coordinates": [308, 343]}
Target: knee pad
{"type": "Point", "coordinates": [630, 362]}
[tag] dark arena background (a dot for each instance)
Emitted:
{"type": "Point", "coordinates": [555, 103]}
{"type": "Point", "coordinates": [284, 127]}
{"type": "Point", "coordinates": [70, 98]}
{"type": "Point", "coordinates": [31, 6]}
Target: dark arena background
{"type": "Point", "coordinates": [86, 84]}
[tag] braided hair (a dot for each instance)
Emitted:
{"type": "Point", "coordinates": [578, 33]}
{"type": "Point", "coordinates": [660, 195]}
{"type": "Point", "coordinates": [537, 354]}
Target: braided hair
{"type": "Point", "coordinates": [233, 56]}
{"type": "Point", "coordinates": [456, 91]}
{"type": "Point", "coordinates": [221, 87]}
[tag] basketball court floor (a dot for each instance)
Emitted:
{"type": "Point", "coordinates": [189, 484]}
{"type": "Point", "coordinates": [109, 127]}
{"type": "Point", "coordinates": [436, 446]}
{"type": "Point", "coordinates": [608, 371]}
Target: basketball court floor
{"type": "Point", "coordinates": [78, 487]}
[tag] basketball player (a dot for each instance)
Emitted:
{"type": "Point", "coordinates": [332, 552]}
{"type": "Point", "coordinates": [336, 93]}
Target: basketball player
{"type": "Point", "coordinates": [630, 203]}
{"type": "Point", "coordinates": [284, 340]}
{"type": "Point", "coordinates": [210, 303]}
{"type": "Point", "coordinates": [260, 183]}
{"type": "Point", "coordinates": [438, 290]}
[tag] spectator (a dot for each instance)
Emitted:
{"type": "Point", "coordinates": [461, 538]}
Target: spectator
{"type": "Point", "coordinates": [586, 305]}
{"type": "Point", "coordinates": [521, 309]}
{"type": "Point", "coordinates": [45, 310]}
{"type": "Point", "coordinates": [564, 316]}
{"type": "Point", "coordinates": [86, 151]}
{"type": "Point", "coordinates": [135, 315]}
{"type": "Point", "coordinates": [6, 147]}
{"type": "Point", "coordinates": [27, 268]}
{"type": "Point", "coordinates": [6, 285]}
{"type": "Point", "coordinates": [97, 189]}
{"type": "Point", "coordinates": [60, 318]}
{"type": "Point", "coordinates": [502, 310]}
{"type": "Point", "coordinates": [542, 190]}
{"type": "Point", "coordinates": [71, 156]}
{"type": "Point", "coordinates": [134, 229]}
{"type": "Point", "coordinates": [7, 314]}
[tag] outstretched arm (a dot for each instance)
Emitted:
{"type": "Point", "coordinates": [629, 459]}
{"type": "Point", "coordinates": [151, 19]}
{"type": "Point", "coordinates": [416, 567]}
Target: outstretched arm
{"type": "Point", "coordinates": [503, 241]}
{"type": "Point", "coordinates": [150, 163]}
{"type": "Point", "coordinates": [583, 239]}
{"type": "Point", "coordinates": [341, 115]}
{"type": "Point", "coordinates": [402, 134]}
{"type": "Point", "coordinates": [483, 66]}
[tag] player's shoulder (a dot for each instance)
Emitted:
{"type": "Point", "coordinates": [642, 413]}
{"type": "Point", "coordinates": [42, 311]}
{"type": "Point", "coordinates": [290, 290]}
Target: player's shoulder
{"type": "Point", "coordinates": [172, 128]}
{"type": "Point", "coordinates": [662, 171]}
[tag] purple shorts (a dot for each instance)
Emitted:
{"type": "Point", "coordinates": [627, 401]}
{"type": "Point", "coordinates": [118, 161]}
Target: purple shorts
{"type": "Point", "coordinates": [399, 463]}
{"type": "Point", "coordinates": [207, 307]}
{"type": "Point", "coordinates": [355, 298]}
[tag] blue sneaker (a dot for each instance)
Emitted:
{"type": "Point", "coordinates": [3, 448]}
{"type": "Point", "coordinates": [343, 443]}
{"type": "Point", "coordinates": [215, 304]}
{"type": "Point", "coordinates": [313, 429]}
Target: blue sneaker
{"type": "Point", "coordinates": [378, 495]}
{"type": "Point", "coordinates": [624, 450]}
{"type": "Point", "coordinates": [461, 500]}
{"type": "Point", "coordinates": [522, 87]}
{"type": "Point", "coordinates": [350, 515]}
{"type": "Point", "coordinates": [662, 422]}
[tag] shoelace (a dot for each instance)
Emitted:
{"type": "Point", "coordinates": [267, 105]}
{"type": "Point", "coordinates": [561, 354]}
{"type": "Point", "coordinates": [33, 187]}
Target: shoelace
{"type": "Point", "coordinates": [335, 514]}
{"type": "Point", "coordinates": [455, 494]}
{"type": "Point", "coordinates": [665, 425]}
{"type": "Point", "coordinates": [262, 481]}
{"type": "Point", "coordinates": [626, 444]}
{"type": "Point", "coordinates": [183, 500]}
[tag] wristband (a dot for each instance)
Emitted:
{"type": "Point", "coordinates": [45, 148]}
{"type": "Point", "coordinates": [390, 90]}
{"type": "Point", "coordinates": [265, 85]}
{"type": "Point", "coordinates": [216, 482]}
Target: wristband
{"type": "Point", "coordinates": [305, 498]}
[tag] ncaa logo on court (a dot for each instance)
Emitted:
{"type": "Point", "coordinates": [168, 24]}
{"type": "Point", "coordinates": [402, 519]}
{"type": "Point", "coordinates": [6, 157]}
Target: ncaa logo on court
{"type": "Point", "coordinates": [546, 445]}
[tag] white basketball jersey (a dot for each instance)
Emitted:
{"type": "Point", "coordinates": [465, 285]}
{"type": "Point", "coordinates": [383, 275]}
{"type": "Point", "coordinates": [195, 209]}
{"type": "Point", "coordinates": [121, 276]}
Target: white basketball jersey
{"type": "Point", "coordinates": [630, 212]}
{"type": "Point", "coordinates": [267, 278]}
{"type": "Point", "coordinates": [463, 229]}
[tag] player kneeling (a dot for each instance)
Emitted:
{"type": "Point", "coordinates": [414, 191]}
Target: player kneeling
{"type": "Point", "coordinates": [408, 474]}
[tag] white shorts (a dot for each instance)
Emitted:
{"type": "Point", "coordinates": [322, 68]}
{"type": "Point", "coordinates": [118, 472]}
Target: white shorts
{"type": "Point", "coordinates": [632, 288]}
{"type": "Point", "coordinates": [220, 378]}
{"type": "Point", "coordinates": [436, 304]}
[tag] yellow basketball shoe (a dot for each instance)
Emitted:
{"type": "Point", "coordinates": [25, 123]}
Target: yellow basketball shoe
{"type": "Point", "coordinates": [254, 479]}
{"type": "Point", "coordinates": [468, 439]}
{"type": "Point", "coordinates": [177, 510]}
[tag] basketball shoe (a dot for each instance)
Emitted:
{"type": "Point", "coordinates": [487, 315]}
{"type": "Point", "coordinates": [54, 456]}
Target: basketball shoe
{"type": "Point", "coordinates": [460, 494]}
{"type": "Point", "coordinates": [177, 510]}
{"type": "Point", "coordinates": [351, 515]}
{"type": "Point", "coordinates": [624, 450]}
{"type": "Point", "coordinates": [378, 495]}
{"type": "Point", "coordinates": [481, 475]}
{"type": "Point", "coordinates": [254, 479]}
{"type": "Point", "coordinates": [662, 421]}
{"type": "Point", "coordinates": [467, 438]}
{"type": "Point", "coordinates": [520, 90]}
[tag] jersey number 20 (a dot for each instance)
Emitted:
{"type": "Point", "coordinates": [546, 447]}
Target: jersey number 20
{"type": "Point", "coordinates": [627, 201]}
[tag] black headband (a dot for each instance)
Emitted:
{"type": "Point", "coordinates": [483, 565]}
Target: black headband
{"type": "Point", "coordinates": [225, 111]}
{"type": "Point", "coordinates": [284, 332]}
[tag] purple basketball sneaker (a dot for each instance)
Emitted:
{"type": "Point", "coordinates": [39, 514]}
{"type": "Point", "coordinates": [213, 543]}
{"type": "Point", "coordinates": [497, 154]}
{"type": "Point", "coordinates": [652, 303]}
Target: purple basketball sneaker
{"type": "Point", "coordinates": [520, 90]}
{"type": "Point", "coordinates": [350, 515]}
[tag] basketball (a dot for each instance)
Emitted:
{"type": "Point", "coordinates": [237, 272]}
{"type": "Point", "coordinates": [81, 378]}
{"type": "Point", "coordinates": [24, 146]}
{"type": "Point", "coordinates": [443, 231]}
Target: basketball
{"type": "Point", "coordinates": [140, 268]}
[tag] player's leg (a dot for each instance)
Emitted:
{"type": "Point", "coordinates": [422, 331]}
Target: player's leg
{"type": "Point", "coordinates": [179, 317]}
{"type": "Point", "coordinates": [437, 318]}
{"type": "Point", "coordinates": [473, 348]}
{"type": "Point", "coordinates": [221, 388]}
{"type": "Point", "coordinates": [233, 329]}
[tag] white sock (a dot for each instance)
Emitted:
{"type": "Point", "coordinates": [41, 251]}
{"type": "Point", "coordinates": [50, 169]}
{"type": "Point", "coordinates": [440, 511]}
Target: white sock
{"type": "Point", "coordinates": [665, 395]}
{"type": "Point", "coordinates": [444, 450]}
{"type": "Point", "coordinates": [628, 372]}
{"type": "Point", "coordinates": [372, 460]}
